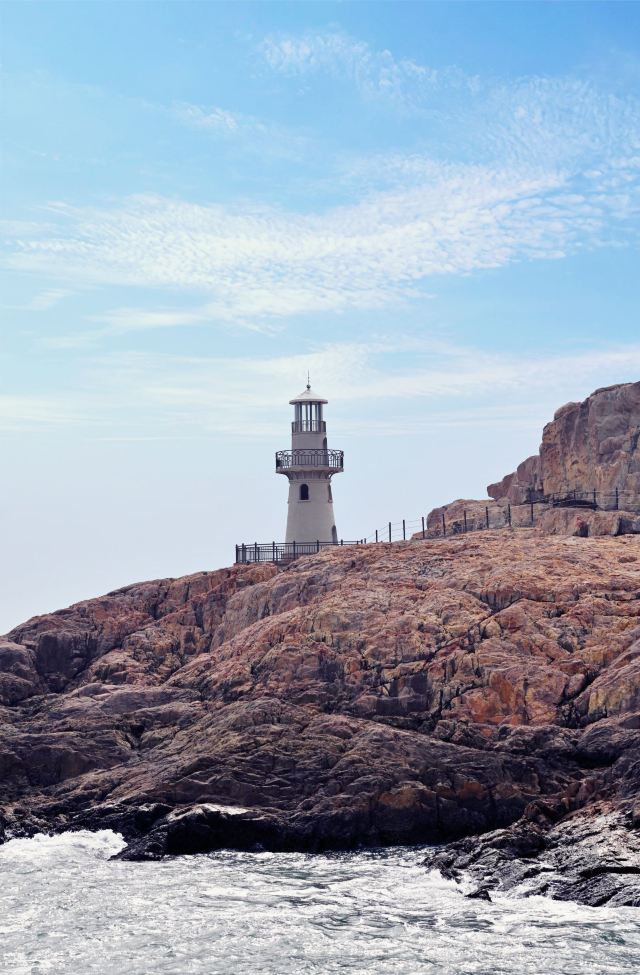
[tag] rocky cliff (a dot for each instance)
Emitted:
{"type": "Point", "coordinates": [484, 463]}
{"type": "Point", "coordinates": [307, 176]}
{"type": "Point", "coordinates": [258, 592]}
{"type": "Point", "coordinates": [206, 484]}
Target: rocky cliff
{"type": "Point", "coordinates": [591, 448]}
{"type": "Point", "coordinates": [593, 445]}
{"type": "Point", "coordinates": [428, 690]}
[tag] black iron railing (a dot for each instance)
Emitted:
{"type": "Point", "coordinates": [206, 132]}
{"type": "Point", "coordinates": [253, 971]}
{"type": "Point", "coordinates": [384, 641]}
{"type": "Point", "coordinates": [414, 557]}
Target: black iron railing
{"type": "Point", "coordinates": [596, 500]}
{"type": "Point", "coordinates": [481, 517]}
{"type": "Point", "coordinates": [310, 457]}
{"type": "Point", "coordinates": [282, 551]}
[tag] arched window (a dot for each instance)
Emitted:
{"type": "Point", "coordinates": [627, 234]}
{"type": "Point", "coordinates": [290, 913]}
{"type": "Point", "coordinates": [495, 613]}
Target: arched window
{"type": "Point", "coordinates": [304, 492]}
{"type": "Point", "coordinates": [329, 492]}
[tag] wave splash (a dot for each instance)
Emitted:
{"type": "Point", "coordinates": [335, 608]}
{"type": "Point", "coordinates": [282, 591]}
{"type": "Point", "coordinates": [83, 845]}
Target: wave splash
{"type": "Point", "coordinates": [67, 908]}
{"type": "Point", "coordinates": [102, 844]}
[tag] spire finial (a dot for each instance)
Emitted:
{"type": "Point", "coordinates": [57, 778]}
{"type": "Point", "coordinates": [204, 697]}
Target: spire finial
{"type": "Point", "coordinates": [308, 380]}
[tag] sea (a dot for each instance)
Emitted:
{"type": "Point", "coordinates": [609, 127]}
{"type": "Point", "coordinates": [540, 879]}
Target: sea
{"type": "Point", "coordinates": [66, 908]}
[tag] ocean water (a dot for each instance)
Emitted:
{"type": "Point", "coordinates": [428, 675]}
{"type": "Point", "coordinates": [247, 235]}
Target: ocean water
{"type": "Point", "coordinates": [66, 909]}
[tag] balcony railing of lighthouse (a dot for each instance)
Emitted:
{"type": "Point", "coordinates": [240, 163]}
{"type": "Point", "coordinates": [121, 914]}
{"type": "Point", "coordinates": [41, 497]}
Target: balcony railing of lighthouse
{"type": "Point", "coordinates": [311, 457]}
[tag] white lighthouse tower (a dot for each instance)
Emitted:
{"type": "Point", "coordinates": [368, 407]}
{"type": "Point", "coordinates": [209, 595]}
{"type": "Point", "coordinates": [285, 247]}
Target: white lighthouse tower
{"type": "Point", "coordinates": [309, 467]}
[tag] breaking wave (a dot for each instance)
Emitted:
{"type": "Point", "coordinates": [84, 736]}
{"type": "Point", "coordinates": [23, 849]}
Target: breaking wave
{"type": "Point", "coordinates": [67, 909]}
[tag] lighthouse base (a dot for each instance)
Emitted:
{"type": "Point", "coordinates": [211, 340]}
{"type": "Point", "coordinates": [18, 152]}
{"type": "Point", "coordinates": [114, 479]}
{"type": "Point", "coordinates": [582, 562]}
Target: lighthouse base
{"type": "Point", "coordinates": [310, 516]}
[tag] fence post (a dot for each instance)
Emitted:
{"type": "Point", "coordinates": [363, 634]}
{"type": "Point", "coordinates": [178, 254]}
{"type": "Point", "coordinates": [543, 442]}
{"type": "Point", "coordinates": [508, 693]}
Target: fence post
{"type": "Point", "coordinates": [389, 531]}
{"type": "Point", "coordinates": [464, 515]}
{"type": "Point", "coordinates": [617, 499]}
{"type": "Point", "coordinates": [404, 534]}
{"type": "Point", "coordinates": [509, 514]}
{"type": "Point", "coordinates": [376, 534]}
{"type": "Point", "coordinates": [486, 515]}
{"type": "Point", "coordinates": [237, 547]}
{"type": "Point", "coordinates": [273, 550]}
{"type": "Point", "coordinates": [444, 527]}
{"type": "Point", "coordinates": [255, 551]}
{"type": "Point", "coordinates": [531, 504]}
{"type": "Point", "coordinates": [294, 550]}
{"type": "Point", "coordinates": [317, 545]}
{"type": "Point", "coordinates": [423, 535]}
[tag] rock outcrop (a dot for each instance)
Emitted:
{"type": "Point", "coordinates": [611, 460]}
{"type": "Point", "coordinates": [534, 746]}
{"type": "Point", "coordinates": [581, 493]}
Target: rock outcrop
{"type": "Point", "coordinates": [588, 446]}
{"type": "Point", "coordinates": [590, 449]}
{"type": "Point", "coordinates": [428, 690]}
{"type": "Point", "coordinates": [516, 488]}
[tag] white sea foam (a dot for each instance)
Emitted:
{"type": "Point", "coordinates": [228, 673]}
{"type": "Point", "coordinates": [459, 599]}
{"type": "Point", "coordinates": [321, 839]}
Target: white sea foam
{"type": "Point", "coordinates": [67, 909]}
{"type": "Point", "coordinates": [83, 843]}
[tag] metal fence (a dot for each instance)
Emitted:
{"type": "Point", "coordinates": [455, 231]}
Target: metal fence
{"type": "Point", "coordinates": [456, 521]}
{"type": "Point", "coordinates": [283, 551]}
{"type": "Point", "coordinates": [596, 500]}
{"type": "Point", "coordinates": [479, 518]}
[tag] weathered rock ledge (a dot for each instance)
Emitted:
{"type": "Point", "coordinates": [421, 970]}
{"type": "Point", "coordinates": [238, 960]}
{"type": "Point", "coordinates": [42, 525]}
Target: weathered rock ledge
{"type": "Point", "coordinates": [429, 691]}
{"type": "Point", "coordinates": [589, 449]}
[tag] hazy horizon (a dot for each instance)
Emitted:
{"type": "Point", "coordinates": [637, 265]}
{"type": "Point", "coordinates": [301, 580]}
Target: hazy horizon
{"type": "Point", "coordinates": [434, 208]}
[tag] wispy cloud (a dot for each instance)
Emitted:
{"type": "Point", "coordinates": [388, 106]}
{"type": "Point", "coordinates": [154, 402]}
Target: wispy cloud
{"type": "Point", "coordinates": [556, 170]}
{"type": "Point", "coordinates": [214, 118]}
{"type": "Point", "coordinates": [255, 265]}
{"type": "Point", "coordinates": [252, 134]}
{"type": "Point", "coordinates": [49, 298]}
{"type": "Point", "coordinates": [530, 121]}
{"type": "Point", "coordinates": [137, 395]}
{"type": "Point", "coordinates": [25, 412]}
{"type": "Point", "coordinates": [377, 74]}
{"type": "Point", "coordinates": [42, 300]}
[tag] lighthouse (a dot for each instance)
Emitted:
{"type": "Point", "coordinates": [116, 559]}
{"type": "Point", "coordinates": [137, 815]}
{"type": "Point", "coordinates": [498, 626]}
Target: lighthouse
{"type": "Point", "coordinates": [309, 467]}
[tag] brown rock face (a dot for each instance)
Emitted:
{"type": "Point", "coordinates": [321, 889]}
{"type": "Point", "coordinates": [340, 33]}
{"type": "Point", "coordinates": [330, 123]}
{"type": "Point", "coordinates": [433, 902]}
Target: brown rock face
{"type": "Point", "coordinates": [516, 487]}
{"type": "Point", "coordinates": [592, 448]}
{"type": "Point", "coordinates": [380, 694]}
{"type": "Point", "coordinates": [593, 445]}
{"type": "Point", "coordinates": [476, 513]}
{"type": "Point", "coordinates": [582, 522]}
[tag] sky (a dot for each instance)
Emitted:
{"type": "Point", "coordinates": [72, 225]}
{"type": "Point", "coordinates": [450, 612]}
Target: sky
{"type": "Point", "coordinates": [432, 207]}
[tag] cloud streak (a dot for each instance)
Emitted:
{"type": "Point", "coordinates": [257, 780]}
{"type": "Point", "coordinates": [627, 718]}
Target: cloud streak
{"type": "Point", "coordinates": [556, 170]}
{"type": "Point", "coordinates": [137, 395]}
{"type": "Point", "coordinates": [377, 74]}
{"type": "Point", "coordinates": [255, 265]}
{"type": "Point", "coordinates": [562, 123]}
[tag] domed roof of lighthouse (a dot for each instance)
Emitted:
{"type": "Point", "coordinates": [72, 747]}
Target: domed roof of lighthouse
{"type": "Point", "coordinates": [308, 396]}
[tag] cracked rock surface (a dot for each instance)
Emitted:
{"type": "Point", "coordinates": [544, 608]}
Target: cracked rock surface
{"type": "Point", "coordinates": [444, 690]}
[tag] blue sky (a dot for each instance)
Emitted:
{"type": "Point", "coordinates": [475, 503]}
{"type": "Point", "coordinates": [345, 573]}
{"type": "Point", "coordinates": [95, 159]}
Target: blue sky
{"type": "Point", "coordinates": [433, 207]}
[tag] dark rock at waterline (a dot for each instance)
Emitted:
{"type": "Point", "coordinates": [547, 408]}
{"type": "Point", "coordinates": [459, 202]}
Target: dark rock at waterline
{"type": "Point", "coordinates": [479, 894]}
{"type": "Point", "coordinates": [486, 686]}
{"type": "Point", "coordinates": [593, 858]}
